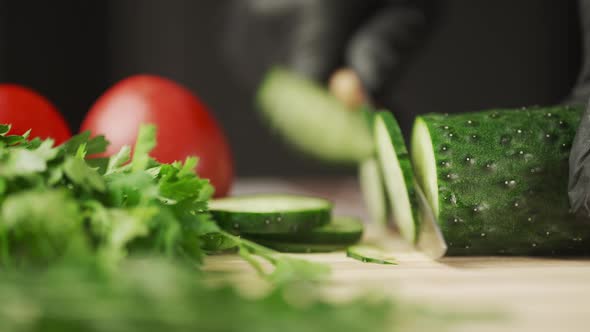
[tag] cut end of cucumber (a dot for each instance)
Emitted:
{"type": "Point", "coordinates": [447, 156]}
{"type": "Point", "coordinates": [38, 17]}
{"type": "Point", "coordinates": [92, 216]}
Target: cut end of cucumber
{"type": "Point", "coordinates": [397, 188]}
{"type": "Point", "coordinates": [425, 163]}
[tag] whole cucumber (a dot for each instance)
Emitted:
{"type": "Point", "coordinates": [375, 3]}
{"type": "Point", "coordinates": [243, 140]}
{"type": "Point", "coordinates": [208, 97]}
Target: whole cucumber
{"type": "Point", "coordinates": [497, 180]}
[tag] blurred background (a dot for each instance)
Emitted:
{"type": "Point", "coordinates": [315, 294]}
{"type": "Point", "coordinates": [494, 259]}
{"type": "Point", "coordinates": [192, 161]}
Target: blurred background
{"type": "Point", "coordinates": [480, 54]}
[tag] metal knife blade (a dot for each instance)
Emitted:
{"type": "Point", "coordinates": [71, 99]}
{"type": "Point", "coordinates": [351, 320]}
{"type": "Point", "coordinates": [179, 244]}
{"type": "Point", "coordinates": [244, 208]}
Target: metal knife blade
{"type": "Point", "coordinates": [430, 238]}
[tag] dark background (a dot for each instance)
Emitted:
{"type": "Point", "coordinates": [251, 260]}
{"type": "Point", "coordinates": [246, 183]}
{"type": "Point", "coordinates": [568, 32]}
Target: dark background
{"type": "Point", "coordinates": [482, 54]}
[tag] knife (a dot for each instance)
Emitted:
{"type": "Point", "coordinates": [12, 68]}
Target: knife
{"type": "Point", "coordinates": [430, 238]}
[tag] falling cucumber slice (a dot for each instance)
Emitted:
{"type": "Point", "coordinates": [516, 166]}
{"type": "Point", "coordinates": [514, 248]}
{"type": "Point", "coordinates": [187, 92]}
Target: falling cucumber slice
{"type": "Point", "coordinates": [371, 180]}
{"type": "Point", "coordinates": [341, 230]}
{"type": "Point", "coordinates": [304, 248]}
{"type": "Point", "coordinates": [369, 254]}
{"type": "Point", "coordinates": [313, 120]}
{"type": "Point", "coordinates": [374, 197]}
{"type": "Point", "coordinates": [397, 173]}
{"type": "Point", "coordinates": [264, 214]}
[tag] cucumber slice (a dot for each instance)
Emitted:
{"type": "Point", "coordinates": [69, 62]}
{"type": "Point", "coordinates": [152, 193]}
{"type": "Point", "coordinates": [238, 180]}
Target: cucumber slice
{"type": "Point", "coordinates": [371, 179]}
{"type": "Point", "coordinates": [342, 231]}
{"type": "Point", "coordinates": [371, 183]}
{"type": "Point", "coordinates": [262, 214]}
{"type": "Point", "coordinates": [305, 248]}
{"type": "Point", "coordinates": [313, 120]}
{"type": "Point", "coordinates": [370, 254]}
{"type": "Point", "coordinates": [425, 163]}
{"type": "Point", "coordinates": [397, 173]}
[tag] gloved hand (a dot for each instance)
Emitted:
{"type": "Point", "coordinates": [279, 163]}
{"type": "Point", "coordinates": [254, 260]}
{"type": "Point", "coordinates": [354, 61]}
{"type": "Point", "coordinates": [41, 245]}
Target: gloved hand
{"type": "Point", "coordinates": [579, 162]}
{"type": "Point", "coordinates": [373, 38]}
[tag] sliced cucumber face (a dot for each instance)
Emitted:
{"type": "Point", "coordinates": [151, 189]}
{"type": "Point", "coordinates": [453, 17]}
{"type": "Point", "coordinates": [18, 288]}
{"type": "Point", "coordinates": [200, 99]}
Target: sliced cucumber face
{"type": "Point", "coordinates": [313, 120]}
{"type": "Point", "coordinates": [424, 163]}
{"type": "Point", "coordinates": [341, 230]}
{"type": "Point", "coordinates": [397, 174]}
{"type": "Point", "coordinates": [263, 214]}
{"type": "Point", "coordinates": [371, 183]}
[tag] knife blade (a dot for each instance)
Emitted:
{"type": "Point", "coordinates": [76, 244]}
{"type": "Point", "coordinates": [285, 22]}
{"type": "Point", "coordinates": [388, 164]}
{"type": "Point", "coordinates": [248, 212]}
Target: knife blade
{"type": "Point", "coordinates": [430, 238]}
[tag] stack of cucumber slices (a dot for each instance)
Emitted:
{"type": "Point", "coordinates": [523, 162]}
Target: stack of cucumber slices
{"type": "Point", "coordinates": [287, 223]}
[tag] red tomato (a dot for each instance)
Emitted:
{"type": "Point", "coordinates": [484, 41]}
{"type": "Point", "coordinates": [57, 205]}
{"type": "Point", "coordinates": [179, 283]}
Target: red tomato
{"type": "Point", "coordinates": [185, 127]}
{"type": "Point", "coordinates": [25, 109]}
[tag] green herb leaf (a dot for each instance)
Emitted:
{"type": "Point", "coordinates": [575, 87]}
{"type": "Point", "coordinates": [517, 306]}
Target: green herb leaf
{"type": "Point", "coordinates": [78, 171]}
{"type": "Point", "coordinates": [146, 141]}
{"type": "Point", "coordinates": [97, 144]}
{"type": "Point", "coordinates": [39, 226]}
{"type": "Point", "coordinates": [71, 146]}
{"type": "Point", "coordinates": [23, 162]}
{"type": "Point", "coordinates": [287, 269]}
{"type": "Point", "coordinates": [4, 128]}
{"type": "Point", "coordinates": [116, 161]}
{"type": "Point", "coordinates": [99, 164]}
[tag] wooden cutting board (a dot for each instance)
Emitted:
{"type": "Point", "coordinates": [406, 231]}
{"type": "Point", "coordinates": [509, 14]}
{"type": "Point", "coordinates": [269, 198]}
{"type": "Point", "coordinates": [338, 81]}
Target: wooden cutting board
{"type": "Point", "coordinates": [532, 294]}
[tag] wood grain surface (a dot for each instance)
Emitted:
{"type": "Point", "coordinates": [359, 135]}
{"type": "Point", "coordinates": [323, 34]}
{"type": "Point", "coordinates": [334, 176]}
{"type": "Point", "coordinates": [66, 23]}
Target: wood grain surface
{"type": "Point", "coordinates": [530, 294]}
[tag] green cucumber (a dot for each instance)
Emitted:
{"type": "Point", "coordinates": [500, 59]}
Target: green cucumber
{"type": "Point", "coordinates": [371, 180]}
{"type": "Point", "coordinates": [397, 173]}
{"type": "Point", "coordinates": [304, 248]}
{"type": "Point", "coordinates": [313, 120]}
{"type": "Point", "coordinates": [369, 254]}
{"type": "Point", "coordinates": [497, 180]}
{"type": "Point", "coordinates": [341, 230]}
{"type": "Point", "coordinates": [373, 192]}
{"type": "Point", "coordinates": [262, 214]}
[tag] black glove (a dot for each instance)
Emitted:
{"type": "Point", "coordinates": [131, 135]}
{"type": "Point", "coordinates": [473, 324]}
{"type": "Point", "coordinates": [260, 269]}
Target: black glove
{"type": "Point", "coordinates": [579, 162]}
{"type": "Point", "coordinates": [579, 171]}
{"type": "Point", "coordinates": [316, 37]}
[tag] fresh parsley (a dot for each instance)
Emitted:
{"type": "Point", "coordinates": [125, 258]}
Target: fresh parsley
{"type": "Point", "coordinates": [116, 244]}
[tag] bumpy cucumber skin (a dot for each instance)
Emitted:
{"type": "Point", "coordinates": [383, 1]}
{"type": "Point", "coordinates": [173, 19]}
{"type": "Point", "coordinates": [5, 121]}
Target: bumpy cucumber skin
{"type": "Point", "coordinates": [405, 163]}
{"type": "Point", "coordinates": [348, 143]}
{"type": "Point", "coordinates": [342, 230]}
{"type": "Point", "coordinates": [265, 223]}
{"type": "Point", "coordinates": [502, 182]}
{"type": "Point", "coordinates": [302, 248]}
